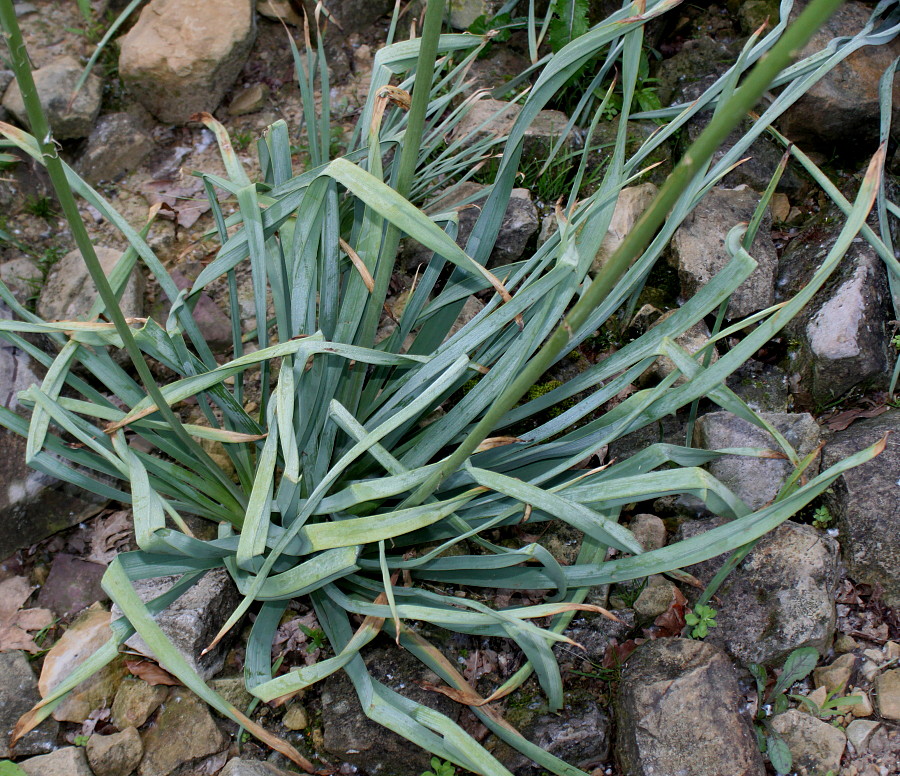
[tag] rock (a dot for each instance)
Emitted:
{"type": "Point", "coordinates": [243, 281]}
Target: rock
{"type": "Point", "coordinates": [863, 708]}
{"type": "Point", "coordinates": [691, 340]}
{"type": "Point", "coordinates": [114, 755]}
{"type": "Point", "coordinates": [470, 309]}
{"type": "Point", "coordinates": [73, 585]}
{"type": "Point", "coordinates": [214, 325]}
{"type": "Point", "coordinates": [630, 206]}
{"type": "Point", "coordinates": [844, 643]}
{"type": "Point", "coordinates": [250, 100]}
{"type": "Point", "coordinates": [649, 530]}
{"type": "Point", "coordinates": [295, 718]}
{"type": "Point", "coordinates": [240, 767]}
{"type": "Point", "coordinates": [579, 734]}
{"type": "Point", "coordinates": [539, 138]}
{"type": "Point", "coordinates": [358, 15]}
{"type": "Point", "coordinates": [279, 10]}
{"type": "Point", "coordinates": [755, 480]}
{"type": "Point", "coordinates": [840, 339]}
{"type": "Point", "coordinates": [69, 291]}
{"type": "Point", "coordinates": [779, 598]}
{"type": "Point", "coordinates": [84, 637]}
{"type": "Point", "coordinates": [232, 689]}
{"type": "Point", "coordinates": [18, 693]}
{"type": "Point", "coordinates": [55, 84]}
{"type": "Point", "coordinates": [70, 761]}
{"type": "Point", "coordinates": [352, 737]}
{"type": "Point", "coordinates": [763, 386]}
{"type": "Point", "coordinates": [519, 225]}
{"type": "Point", "coordinates": [836, 677]}
{"type": "Point", "coordinates": [116, 146]}
{"type": "Point", "coordinates": [179, 59]}
{"type": "Point", "coordinates": [866, 503]}
{"type": "Point", "coordinates": [887, 693]}
{"type": "Point", "coordinates": [842, 109]}
{"type": "Point", "coordinates": [698, 249]}
{"type": "Point", "coordinates": [135, 701]}
{"type": "Point", "coordinates": [184, 731]}
{"type": "Point", "coordinates": [193, 620]}
{"type": "Point", "coordinates": [678, 711]}
{"type": "Point", "coordinates": [655, 598]}
{"type": "Point", "coordinates": [816, 746]}
{"type": "Point", "coordinates": [859, 732]}
{"type": "Point", "coordinates": [464, 12]}
{"type": "Point", "coordinates": [22, 278]}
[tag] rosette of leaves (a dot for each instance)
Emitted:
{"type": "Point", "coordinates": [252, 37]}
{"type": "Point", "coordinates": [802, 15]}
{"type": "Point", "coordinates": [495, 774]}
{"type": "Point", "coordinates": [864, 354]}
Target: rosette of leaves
{"type": "Point", "coordinates": [355, 474]}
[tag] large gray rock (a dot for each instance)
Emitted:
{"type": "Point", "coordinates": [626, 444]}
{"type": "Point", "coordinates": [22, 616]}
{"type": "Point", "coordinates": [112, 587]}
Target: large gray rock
{"type": "Point", "coordinates": [55, 84]}
{"type": "Point", "coordinates": [840, 339]}
{"type": "Point", "coordinates": [18, 693]}
{"type": "Point", "coordinates": [678, 711]}
{"type": "Point", "coordinates": [352, 737]}
{"type": "Point", "coordinates": [239, 767]}
{"type": "Point", "coordinates": [70, 761]}
{"type": "Point", "coordinates": [116, 146]}
{"type": "Point", "coordinates": [698, 249]}
{"type": "Point", "coordinates": [184, 731]}
{"type": "Point", "coordinates": [779, 598]}
{"type": "Point", "coordinates": [816, 747]}
{"type": "Point", "coordinates": [866, 502]}
{"type": "Point", "coordinates": [842, 108]}
{"type": "Point", "coordinates": [179, 58]}
{"type": "Point", "coordinates": [755, 480]}
{"type": "Point", "coordinates": [193, 620]}
{"type": "Point", "coordinates": [69, 291]}
{"type": "Point", "coordinates": [763, 386]}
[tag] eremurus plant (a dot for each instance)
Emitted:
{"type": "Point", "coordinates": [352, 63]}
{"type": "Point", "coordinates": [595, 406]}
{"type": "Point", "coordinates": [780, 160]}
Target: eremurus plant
{"type": "Point", "coordinates": [349, 488]}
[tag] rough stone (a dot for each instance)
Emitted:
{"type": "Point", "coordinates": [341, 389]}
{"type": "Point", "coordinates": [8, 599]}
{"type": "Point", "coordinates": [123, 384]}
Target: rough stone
{"type": "Point", "coordinates": [84, 637]}
{"type": "Point", "coordinates": [519, 225]}
{"type": "Point", "coordinates": [73, 585]}
{"type": "Point", "coordinates": [842, 108]}
{"type": "Point", "coordinates": [354, 738]}
{"type": "Point", "coordinates": [862, 708]}
{"type": "Point", "coordinates": [836, 676]}
{"type": "Point", "coordinates": [214, 324]}
{"type": "Point", "coordinates": [779, 598]}
{"type": "Point", "coordinates": [866, 502]}
{"type": "Point", "coordinates": [233, 689]}
{"type": "Point", "coordinates": [763, 386]}
{"type": "Point", "coordinates": [250, 100]}
{"type": "Point", "coordinates": [840, 339]}
{"type": "Point", "coordinates": [677, 709]}
{"type": "Point", "coordinates": [116, 146]}
{"type": "Point", "coordinates": [539, 138]}
{"type": "Point", "coordinates": [238, 766]}
{"type": "Point", "coordinates": [184, 731]}
{"type": "Point", "coordinates": [70, 761]}
{"type": "Point", "coordinates": [193, 620]}
{"type": "Point", "coordinates": [55, 84]}
{"type": "Point", "coordinates": [279, 10]}
{"type": "Point", "coordinates": [69, 291]}
{"type": "Point", "coordinates": [179, 59]}
{"type": "Point", "coordinates": [135, 701]}
{"type": "Point", "coordinates": [21, 276]}
{"type": "Point", "coordinates": [649, 530]}
{"type": "Point", "coordinates": [859, 732]}
{"type": "Point", "coordinates": [464, 12]}
{"type": "Point", "coordinates": [698, 249]}
{"type": "Point", "coordinates": [887, 693]}
{"type": "Point", "coordinates": [295, 718]}
{"type": "Point", "coordinates": [358, 15]}
{"type": "Point", "coordinates": [630, 206]}
{"type": "Point", "coordinates": [114, 755]}
{"type": "Point", "coordinates": [18, 693]}
{"type": "Point", "coordinates": [755, 480]}
{"type": "Point", "coordinates": [816, 746]}
{"type": "Point", "coordinates": [655, 598]}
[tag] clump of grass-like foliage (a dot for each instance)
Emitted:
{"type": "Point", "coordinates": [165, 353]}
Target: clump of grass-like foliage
{"type": "Point", "coordinates": [346, 472]}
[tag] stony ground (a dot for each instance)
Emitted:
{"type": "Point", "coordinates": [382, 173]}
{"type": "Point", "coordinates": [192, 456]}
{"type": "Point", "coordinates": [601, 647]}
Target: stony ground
{"type": "Point", "coordinates": [643, 697]}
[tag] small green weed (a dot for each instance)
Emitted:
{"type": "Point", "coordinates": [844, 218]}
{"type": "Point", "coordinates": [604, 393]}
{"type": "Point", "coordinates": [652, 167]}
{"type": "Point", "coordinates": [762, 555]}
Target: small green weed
{"type": "Point", "coordinates": [822, 517]}
{"type": "Point", "coordinates": [316, 637]}
{"type": "Point", "coordinates": [895, 341]}
{"type": "Point", "coordinates": [439, 768]}
{"type": "Point", "coordinates": [832, 705]}
{"type": "Point", "coordinates": [39, 207]}
{"type": "Point", "coordinates": [241, 140]}
{"type": "Point", "coordinates": [702, 619]}
{"type": "Point", "coordinates": [9, 768]}
{"type": "Point", "coordinates": [80, 740]}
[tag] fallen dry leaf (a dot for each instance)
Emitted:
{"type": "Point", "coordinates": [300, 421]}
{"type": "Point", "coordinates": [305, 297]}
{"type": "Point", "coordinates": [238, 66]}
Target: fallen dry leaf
{"type": "Point", "coordinates": [111, 535]}
{"type": "Point", "coordinates": [15, 622]}
{"type": "Point", "coordinates": [843, 419]}
{"type": "Point", "coordinates": [187, 198]}
{"type": "Point", "coordinates": [151, 673]}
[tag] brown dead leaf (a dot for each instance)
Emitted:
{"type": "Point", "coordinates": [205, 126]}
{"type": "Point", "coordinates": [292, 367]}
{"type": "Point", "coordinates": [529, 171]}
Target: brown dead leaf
{"type": "Point", "coordinates": [186, 198]}
{"type": "Point", "coordinates": [151, 673]}
{"type": "Point", "coordinates": [843, 419]}
{"type": "Point", "coordinates": [15, 622]}
{"type": "Point", "coordinates": [111, 536]}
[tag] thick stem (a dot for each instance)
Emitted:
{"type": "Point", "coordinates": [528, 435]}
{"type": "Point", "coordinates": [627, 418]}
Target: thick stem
{"type": "Point", "coordinates": [743, 100]}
